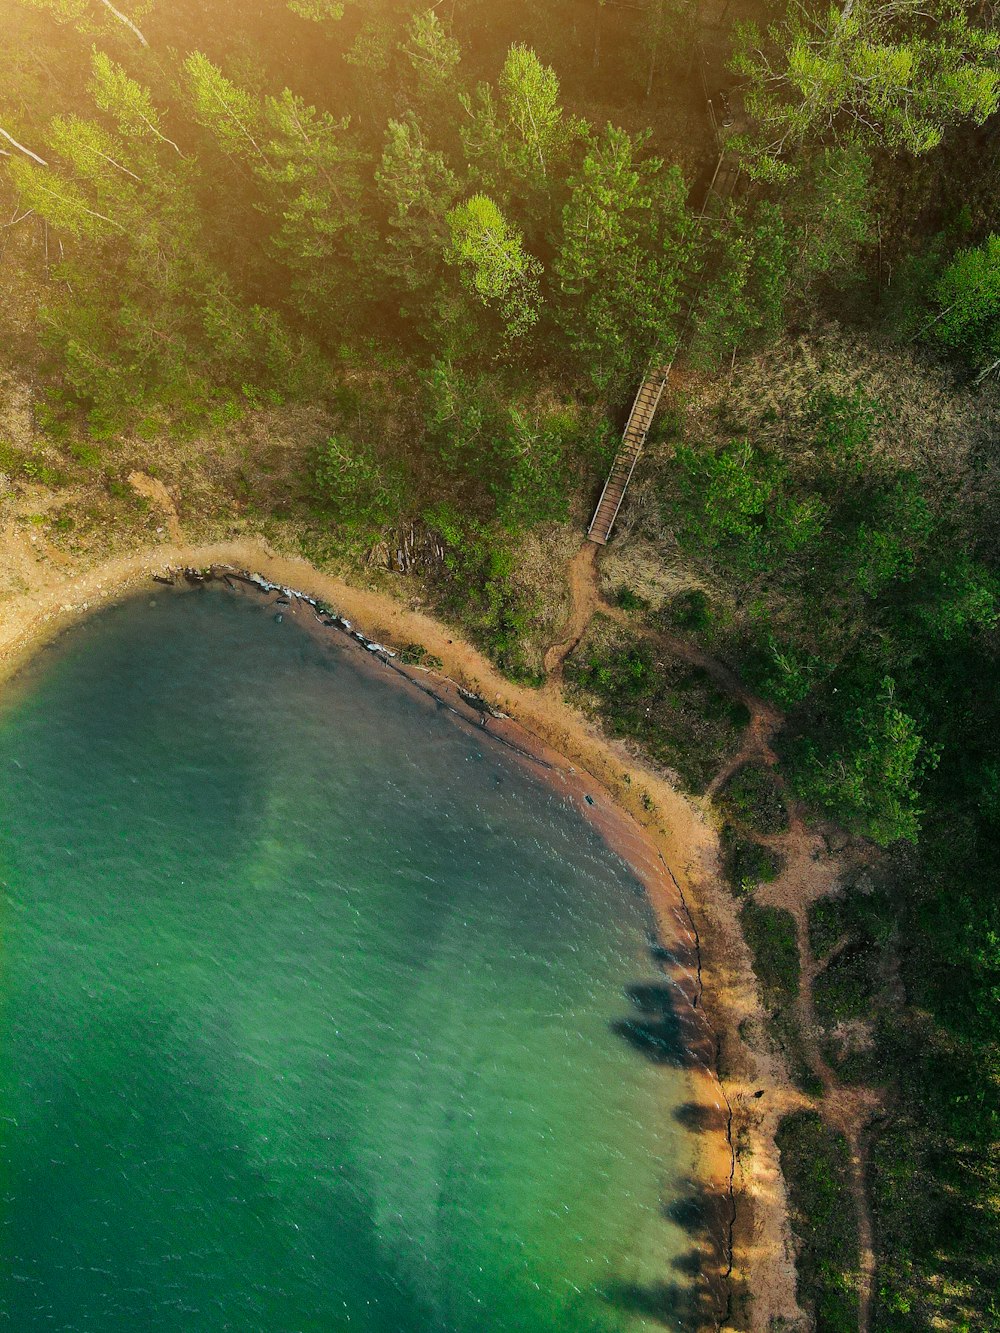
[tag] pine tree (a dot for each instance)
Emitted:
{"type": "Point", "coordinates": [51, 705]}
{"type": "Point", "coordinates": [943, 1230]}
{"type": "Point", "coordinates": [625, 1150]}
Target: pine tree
{"type": "Point", "coordinates": [418, 189]}
{"type": "Point", "coordinates": [626, 244]}
{"type": "Point", "coordinates": [308, 171]}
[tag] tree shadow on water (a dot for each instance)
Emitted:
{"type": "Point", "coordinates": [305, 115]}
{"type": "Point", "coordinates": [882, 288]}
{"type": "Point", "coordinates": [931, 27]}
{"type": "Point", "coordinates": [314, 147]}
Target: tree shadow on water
{"type": "Point", "coordinates": [699, 1297]}
{"type": "Point", "coordinates": [654, 1030]}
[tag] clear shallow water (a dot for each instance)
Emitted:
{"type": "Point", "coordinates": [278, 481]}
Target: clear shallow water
{"type": "Point", "coordinates": [308, 1006]}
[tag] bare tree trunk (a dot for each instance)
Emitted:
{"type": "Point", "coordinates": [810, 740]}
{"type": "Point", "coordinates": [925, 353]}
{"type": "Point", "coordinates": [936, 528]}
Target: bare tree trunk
{"type": "Point", "coordinates": [123, 18]}
{"type": "Point", "coordinates": [20, 146]}
{"type": "Point", "coordinates": [598, 13]}
{"type": "Point", "coordinates": [654, 50]}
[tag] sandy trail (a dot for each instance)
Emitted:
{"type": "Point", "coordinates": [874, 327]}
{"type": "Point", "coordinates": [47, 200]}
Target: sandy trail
{"type": "Point", "coordinates": [585, 601]}
{"type": "Point", "coordinates": [153, 490]}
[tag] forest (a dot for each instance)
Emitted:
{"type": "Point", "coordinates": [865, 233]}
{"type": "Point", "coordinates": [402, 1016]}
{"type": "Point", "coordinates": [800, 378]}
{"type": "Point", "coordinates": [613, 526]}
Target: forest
{"type": "Point", "coordinates": [380, 281]}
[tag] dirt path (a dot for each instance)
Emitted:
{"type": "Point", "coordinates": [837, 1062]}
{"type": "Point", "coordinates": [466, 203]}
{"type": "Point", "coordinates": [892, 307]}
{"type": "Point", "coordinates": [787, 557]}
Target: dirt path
{"type": "Point", "coordinates": [808, 875]}
{"type": "Point", "coordinates": [846, 1108]}
{"type": "Point", "coordinates": [585, 601]}
{"type": "Point", "coordinates": [153, 490]}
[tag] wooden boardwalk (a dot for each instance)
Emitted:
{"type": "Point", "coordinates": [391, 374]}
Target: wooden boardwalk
{"type": "Point", "coordinates": [721, 188]}
{"type": "Point", "coordinates": [647, 400]}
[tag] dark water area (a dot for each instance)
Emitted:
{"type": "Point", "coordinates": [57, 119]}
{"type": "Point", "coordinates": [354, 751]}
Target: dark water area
{"type": "Point", "coordinates": [319, 1010]}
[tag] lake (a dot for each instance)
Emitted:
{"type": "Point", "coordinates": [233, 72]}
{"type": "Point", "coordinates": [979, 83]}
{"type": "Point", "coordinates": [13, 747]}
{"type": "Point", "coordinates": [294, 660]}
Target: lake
{"type": "Point", "coordinates": [320, 1009]}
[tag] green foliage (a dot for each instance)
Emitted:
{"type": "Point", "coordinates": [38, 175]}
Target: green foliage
{"type": "Point", "coordinates": [418, 189]}
{"type": "Point", "coordinates": [627, 242]}
{"type": "Point", "coordinates": [743, 299]}
{"type": "Point", "coordinates": [629, 600]}
{"type": "Point", "coordinates": [843, 426]}
{"type": "Point", "coordinates": [967, 300]}
{"type": "Point", "coordinates": [872, 72]}
{"type": "Point", "coordinates": [494, 265]}
{"type": "Point", "coordinates": [483, 589]}
{"type": "Point", "coordinates": [770, 934]}
{"type": "Point", "coordinates": [168, 332]}
{"type": "Point", "coordinates": [752, 796]}
{"type": "Point", "coordinates": [318, 11]}
{"type": "Point", "coordinates": [886, 551]}
{"type": "Point", "coordinates": [674, 711]}
{"type": "Point", "coordinates": [748, 864]}
{"type": "Point", "coordinates": [815, 1164]}
{"type": "Point", "coordinates": [308, 171]}
{"type": "Point", "coordinates": [828, 216]}
{"type": "Point", "coordinates": [355, 486]}
{"type": "Point", "coordinates": [518, 138]}
{"type": "Point", "coordinates": [736, 504]}
{"type": "Point", "coordinates": [866, 771]}
{"type": "Point", "coordinates": [509, 461]}
{"type": "Point", "coordinates": [434, 56]}
{"type": "Point", "coordinates": [844, 990]}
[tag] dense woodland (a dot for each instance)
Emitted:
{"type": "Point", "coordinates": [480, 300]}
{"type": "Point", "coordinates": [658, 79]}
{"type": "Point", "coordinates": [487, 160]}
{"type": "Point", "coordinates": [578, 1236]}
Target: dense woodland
{"type": "Point", "coordinates": [464, 232]}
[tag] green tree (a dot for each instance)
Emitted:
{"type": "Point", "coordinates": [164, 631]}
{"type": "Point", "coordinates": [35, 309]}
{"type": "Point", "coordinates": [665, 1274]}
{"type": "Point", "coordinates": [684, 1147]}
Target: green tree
{"type": "Point", "coordinates": [354, 485]}
{"type": "Point", "coordinates": [739, 505]}
{"type": "Point", "coordinates": [146, 321]}
{"type": "Point", "coordinates": [309, 175]}
{"type": "Point", "coordinates": [434, 57]}
{"type": "Point", "coordinates": [627, 243]}
{"type": "Point", "coordinates": [533, 483]}
{"type": "Point", "coordinates": [418, 189]}
{"type": "Point", "coordinates": [743, 297]}
{"type": "Point", "coordinates": [967, 299]}
{"type": "Point", "coordinates": [885, 73]}
{"type": "Point", "coordinates": [494, 266]}
{"type": "Point", "coordinates": [93, 17]}
{"type": "Point", "coordinates": [866, 769]}
{"type": "Point", "coordinates": [517, 139]}
{"type": "Point", "coordinates": [828, 215]}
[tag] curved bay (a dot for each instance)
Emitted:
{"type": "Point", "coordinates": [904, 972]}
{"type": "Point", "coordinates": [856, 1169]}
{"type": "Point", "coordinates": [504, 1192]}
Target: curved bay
{"type": "Point", "coordinates": [312, 1006]}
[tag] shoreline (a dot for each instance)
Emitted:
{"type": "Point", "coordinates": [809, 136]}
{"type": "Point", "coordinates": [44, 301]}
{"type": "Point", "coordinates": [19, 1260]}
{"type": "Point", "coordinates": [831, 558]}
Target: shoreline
{"type": "Point", "coordinates": [660, 834]}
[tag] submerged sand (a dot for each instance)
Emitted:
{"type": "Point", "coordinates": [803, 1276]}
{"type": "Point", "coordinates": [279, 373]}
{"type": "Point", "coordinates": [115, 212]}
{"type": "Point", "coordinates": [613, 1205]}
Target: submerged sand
{"type": "Point", "coordinates": [662, 834]}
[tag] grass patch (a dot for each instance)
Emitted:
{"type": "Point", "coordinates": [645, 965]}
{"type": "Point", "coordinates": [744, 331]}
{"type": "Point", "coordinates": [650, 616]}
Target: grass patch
{"type": "Point", "coordinates": [752, 797]}
{"type": "Point", "coordinates": [815, 1164]}
{"type": "Point", "coordinates": [770, 933]}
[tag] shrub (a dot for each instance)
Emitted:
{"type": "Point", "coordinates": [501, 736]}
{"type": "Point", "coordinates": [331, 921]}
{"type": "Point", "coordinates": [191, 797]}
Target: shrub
{"type": "Point", "coordinates": [815, 1163]}
{"type": "Point", "coordinates": [770, 933]}
{"type": "Point", "coordinates": [748, 864]}
{"type": "Point", "coordinates": [753, 797]}
{"type": "Point", "coordinates": [354, 485]}
{"type": "Point", "coordinates": [691, 609]}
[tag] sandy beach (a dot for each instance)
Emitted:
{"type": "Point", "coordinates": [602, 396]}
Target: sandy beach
{"type": "Point", "coordinates": [662, 834]}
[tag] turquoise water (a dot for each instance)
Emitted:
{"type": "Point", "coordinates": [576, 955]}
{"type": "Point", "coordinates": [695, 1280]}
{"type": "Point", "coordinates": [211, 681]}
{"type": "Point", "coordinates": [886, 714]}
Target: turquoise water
{"type": "Point", "coordinates": [309, 1006]}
